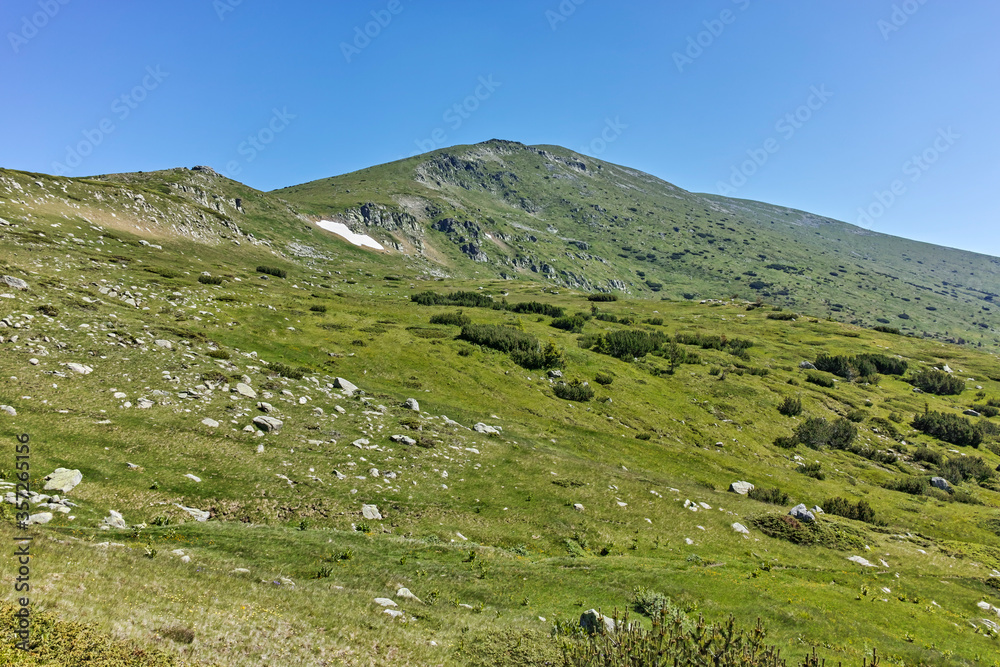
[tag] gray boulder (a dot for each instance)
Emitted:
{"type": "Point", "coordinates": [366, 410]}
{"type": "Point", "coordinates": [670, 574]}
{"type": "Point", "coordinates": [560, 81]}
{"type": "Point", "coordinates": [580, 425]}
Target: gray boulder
{"type": "Point", "coordinates": [243, 389]}
{"type": "Point", "coordinates": [593, 621]}
{"type": "Point", "coordinates": [16, 283]}
{"type": "Point", "coordinates": [165, 344]}
{"type": "Point", "coordinates": [741, 529]}
{"type": "Point", "coordinates": [741, 488]}
{"type": "Point", "coordinates": [940, 483]}
{"type": "Point", "coordinates": [62, 480]}
{"type": "Point", "coordinates": [82, 369]}
{"type": "Point", "coordinates": [403, 439]}
{"type": "Point", "coordinates": [411, 404]}
{"type": "Point", "coordinates": [371, 513]}
{"type": "Point", "coordinates": [196, 514]}
{"type": "Point", "coordinates": [555, 374]}
{"type": "Point", "coordinates": [480, 427]}
{"type": "Point", "coordinates": [41, 517]}
{"type": "Point", "coordinates": [808, 365]}
{"type": "Point", "coordinates": [348, 387]}
{"type": "Point", "coordinates": [971, 413]}
{"type": "Point", "coordinates": [9, 410]}
{"type": "Point", "coordinates": [114, 520]}
{"type": "Point", "coordinates": [268, 424]}
{"type": "Point", "coordinates": [265, 407]}
{"type": "Point", "coordinates": [209, 422]}
{"type": "Point", "coordinates": [802, 513]}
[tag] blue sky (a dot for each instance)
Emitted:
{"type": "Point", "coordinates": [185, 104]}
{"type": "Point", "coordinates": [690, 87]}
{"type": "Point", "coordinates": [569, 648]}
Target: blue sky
{"type": "Point", "coordinates": [885, 108]}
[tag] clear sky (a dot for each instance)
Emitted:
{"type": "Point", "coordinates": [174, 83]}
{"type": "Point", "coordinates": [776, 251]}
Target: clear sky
{"type": "Point", "coordinates": [888, 107]}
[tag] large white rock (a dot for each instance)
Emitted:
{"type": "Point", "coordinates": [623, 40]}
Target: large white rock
{"type": "Point", "coordinates": [741, 529]}
{"type": "Point", "coordinates": [268, 424]}
{"type": "Point", "coordinates": [348, 387]}
{"type": "Point", "coordinates": [593, 621]}
{"type": "Point", "coordinates": [371, 513]}
{"type": "Point", "coordinates": [480, 427]}
{"type": "Point", "coordinates": [244, 389]}
{"type": "Point", "coordinates": [741, 488]}
{"type": "Point", "coordinates": [166, 344]}
{"type": "Point", "coordinates": [62, 480]}
{"type": "Point", "coordinates": [197, 514]}
{"type": "Point", "coordinates": [82, 369]}
{"type": "Point", "coordinates": [115, 520]}
{"type": "Point", "coordinates": [16, 283]}
{"type": "Point", "coordinates": [209, 422]}
{"type": "Point", "coordinates": [41, 517]}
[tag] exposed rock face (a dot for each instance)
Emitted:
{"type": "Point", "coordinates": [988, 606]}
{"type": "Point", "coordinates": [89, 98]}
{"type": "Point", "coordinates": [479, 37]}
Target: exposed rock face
{"type": "Point", "coordinates": [62, 480]}
{"type": "Point", "coordinates": [244, 389]}
{"type": "Point", "coordinates": [348, 387]}
{"type": "Point", "coordinates": [411, 404]}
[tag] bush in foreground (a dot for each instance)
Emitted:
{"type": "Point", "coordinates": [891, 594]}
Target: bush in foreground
{"type": "Point", "coordinates": [272, 271]}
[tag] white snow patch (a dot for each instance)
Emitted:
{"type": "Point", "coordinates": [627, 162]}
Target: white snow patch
{"type": "Point", "coordinates": [340, 229]}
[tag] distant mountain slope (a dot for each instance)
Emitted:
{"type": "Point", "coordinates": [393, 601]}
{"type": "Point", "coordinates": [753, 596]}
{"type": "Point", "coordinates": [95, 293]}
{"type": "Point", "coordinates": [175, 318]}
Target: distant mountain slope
{"type": "Point", "coordinates": [504, 209]}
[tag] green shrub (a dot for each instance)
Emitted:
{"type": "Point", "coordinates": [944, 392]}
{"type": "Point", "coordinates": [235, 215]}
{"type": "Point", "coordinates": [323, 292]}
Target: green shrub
{"type": "Point", "coordinates": [272, 271]}
{"type": "Point", "coordinates": [49, 310]}
{"type": "Point", "coordinates": [819, 379]}
{"type": "Point", "coordinates": [535, 308]}
{"type": "Point", "coordinates": [987, 411]}
{"type": "Point", "coordinates": [949, 428]}
{"type": "Point", "coordinates": [814, 470]}
{"type": "Point", "coordinates": [775, 496]}
{"type": "Point", "coordinates": [884, 424]}
{"type": "Point", "coordinates": [784, 317]}
{"type": "Point", "coordinates": [287, 371]}
{"type": "Point", "coordinates": [790, 407]}
{"type": "Point", "coordinates": [574, 391]}
{"type": "Point", "coordinates": [458, 319]}
{"type": "Point", "coordinates": [885, 329]}
{"type": "Point", "coordinates": [627, 344]}
{"type": "Point", "coordinates": [817, 433]}
{"type": "Point", "coordinates": [860, 511]}
{"type": "Point", "coordinates": [857, 415]}
{"type": "Point", "coordinates": [938, 383]}
{"type": "Point", "coordinates": [219, 354]}
{"type": "Point", "coordinates": [573, 324]}
{"type": "Point", "coordinates": [928, 455]}
{"type": "Point", "coordinates": [523, 348]}
{"type": "Point", "coordinates": [210, 280]}
{"type": "Point", "coordinates": [915, 486]}
{"type": "Point", "coordinates": [602, 297]}
{"type": "Point", "coordinates": [654, 321]}
{"type": "Point", "coordinates": [318, 308]}
{"type": "Point", "coordinates": [960, 469]}
{"type": "Point", "coordinates": [603, 379]}
{"type": "Point", "coordinates": [860, 366]}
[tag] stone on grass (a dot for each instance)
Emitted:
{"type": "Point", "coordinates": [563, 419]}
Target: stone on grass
{"type": "Point", "coordinates": [8, 410]}
{"type": "Point", "coordinates": [196, 514]}
{"type": "Point", "coordinates": [403, 439]}
{"type": "Point", "coordinates": [62, 480]}
{"type": "Point", "coordinates": [41, 517]}
{"type": "Point", "coordinates": [808, 365]}
{"type": "Point", "coordinates": [741, 488]}
{"type": "Point", "coordinates": [16, 283]}
{"type": "Point", "coordinates": [480, 427]}
{"type": "Point", "coordinates": [940, 483]}
{"type": "Point", "coordinates": [407, 595]}
{"type": "Point", "coordinates": [165, 344]}
{"type": "Point", "coordinates": [371, 513]}
{"type": "Point", "coordinates": [593, 621]}
{"type": "Point", "coordinates": [411, 404]}
{"type": "Point", "coordinates": [860, 561]}
{"type": "Point", "coordinates": [971, 413]}
{"type": "Point", "coordinates": [144, 404]}
{"type": "Point", "coordinates": [265, 407]}
{"type": "Point", "coordinates": [741, 529]}
{"type": "Point", "coordinates": [395, 613]}
{"type": "Point", "coordinates": [268, 424]}
{"type": "Point", "coordinates": [385, 602]}
{"type": "Point", "coordinates": [193, 477]}
{"type": "Point", "coordinates": [578, 507]}
{"type": "Point", "coordinates": [348, 387]}
{"type": "Point", "coordinates": [802, 513]}
{"type": "Point", "coordinates": [211, 423]}
{"type": "Point", "coordinates": [114, 520]}
{"type": "Point", "coordinates": [243, 389]}
{"type": "Point", "coordinates": [82, 369]}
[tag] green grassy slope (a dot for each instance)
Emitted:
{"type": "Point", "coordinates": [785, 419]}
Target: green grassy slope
{"type": "Point", "coordinates": [546, 212]}
{"type": "Point", "coordinates": [481, 527]}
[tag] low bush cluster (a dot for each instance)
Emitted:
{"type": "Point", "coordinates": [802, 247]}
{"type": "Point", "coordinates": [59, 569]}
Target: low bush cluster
{"type": "Point", "coordinates": [790, 407]}
{"type": "Point", "coordinates": [458, 318]}
{"type": "Point", "coordinates": [210, 280]}
{"type": "Point", "coordinates": [860, 366]}
{"type": "Point", "coordinates": [602, 297]}
{"type": "Point", "coordinates": [819, 379]}
{"type": "Point", "coordinates": [938, 383]}
{"type": "Point", "coordinates": [272, 271]}
{"type": "Point", "coordinates": [859, 511]}
{"type": "Point", "coordinates": [574, 391]}
{"type": "Point", "coordinates": [573, 323]}
{"type": "Point", "coordinates": [949, 428]}
{"type": "Point", "coordinates": [775, 496]}
{"type": "Point", "coordinates": [524, 349]}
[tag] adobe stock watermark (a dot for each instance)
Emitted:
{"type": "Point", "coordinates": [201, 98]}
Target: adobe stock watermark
{"type": "Point", "coordinates": [697, 44]}
{"type": "Point", "coordinates": [121, 107]}
{"type": "Point", "coordinates": [787, 127]}
{"type": "Point", "coordinates": [22, 583]}
{"type": "Point", "coordinates": [456, 115]}
{"type": "Point", "coordinates": [363, 36]}
{"type": "Point", "coordinates": [609, 134]}
{"type": "Point", "coordinates": [562, 13]}
{"type": "Point", "coordinates": [30, 25]}
{"type": "Point", "coordinates": [914, 169]}
{"type": "Point", "coordinates": [223, 7]}
{"type": "Point", "coordinates": [257, 143]}
{"type": "Point", "coordinates": [901, 15]}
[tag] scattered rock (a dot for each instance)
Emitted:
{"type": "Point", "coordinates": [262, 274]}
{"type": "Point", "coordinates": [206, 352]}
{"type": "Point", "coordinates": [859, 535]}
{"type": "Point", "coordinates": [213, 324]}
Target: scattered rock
{"type": "Point", "coordinates": [555, 374]}
{"type": "Point", "coordinates": [940, 483]}
{"type": "Point", "coordinates": [407, 595]}
{"type": "Point", "coordinates": [211, 423]}
{"type": "Point", "coordinates": [741, 488]}
{"type": "Point", "coordinates": [395, 613]}
{"type": "Point", "coordinates": [166, 344]}
{"type": "Point", "coordinates": [860, 561]}
{"type": "Point", "coordinates": [244, 389]}
{"type": "Point", "coordinates": [578, 507]}
{"type": "Point", "coordinates": [268, 424]}
{"type": "Point", "coordinates": [385, 602]}
{"type": "Point", "coordinates": [808, 365]}
{"type": "Point", "coordinates": [9, 410]}
{"type": "Point", "coordinates": [193, 477]}
{"type": "Point", "coordinates": [371, 513]}
{"type": "Point", "coordinates": [62, 480]}
{"type": "Point", "coordinates": [802, 513]}
{"type": "Point", "coordinates": [348, 387]}
{"type": "Point", "coordinates": [265, 407]}
{"type": "Point", "coordinates": [403, 439]}
{"type": "Point", "coordinates": [741, 529]}
{"type": "Point", "coordinates": [16, 283]}
{"type": "Point", "coordinates": [82, 369]}
{"type": "Point", "coordinates": [480, 427]}
{"type": "Point", "coordinates": [33, 361]}
{"type": "Point", "coordinates": [411, 404]}
{"type": "Point", "coordinates": [971, 413]}
{"type": "Point", "coordinates": [114, 520]}
{"type": "Point", "coordinates": [196, 514]}
{"type": "Point", "coordinates": [593, 621]}
{"type": "Point", "coordinates": [41, 517]}
{"type": "Point", "coordinates": [144, 404]}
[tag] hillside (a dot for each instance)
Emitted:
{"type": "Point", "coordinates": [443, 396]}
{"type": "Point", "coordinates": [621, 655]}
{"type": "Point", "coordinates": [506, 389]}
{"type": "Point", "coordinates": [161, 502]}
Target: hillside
{"type": "Point", "coordinates": [503, 209]}
{"type": "Point", "coordinates": [277, 431]}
